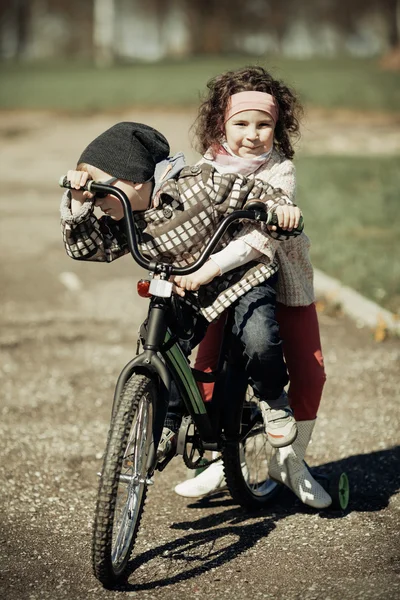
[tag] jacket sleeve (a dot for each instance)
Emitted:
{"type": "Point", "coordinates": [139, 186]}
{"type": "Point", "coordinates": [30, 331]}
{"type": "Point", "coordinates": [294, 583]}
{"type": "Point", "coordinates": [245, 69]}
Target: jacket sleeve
{"type": "Point", "coordinates": [230, 192]}
{"type": "Point", "coordinates": [282, 178]}
{"type": "Point", "coordinates": [88, 238]}
{"type": "Point", "coordinates": [271, 196]}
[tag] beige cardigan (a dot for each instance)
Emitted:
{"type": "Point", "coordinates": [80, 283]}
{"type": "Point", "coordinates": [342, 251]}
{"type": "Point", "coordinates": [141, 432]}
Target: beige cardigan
{"type": "Point", "coordinates": [295, 283]}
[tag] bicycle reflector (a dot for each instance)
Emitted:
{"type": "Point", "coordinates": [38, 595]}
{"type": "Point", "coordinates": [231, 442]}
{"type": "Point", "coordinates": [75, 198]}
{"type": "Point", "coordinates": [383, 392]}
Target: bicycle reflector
{"type": "Point", "coordinates": [143, 288]}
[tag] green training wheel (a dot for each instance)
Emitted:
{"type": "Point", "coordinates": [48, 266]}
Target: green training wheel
{"type": "Point", "coordinates": [339, 490]}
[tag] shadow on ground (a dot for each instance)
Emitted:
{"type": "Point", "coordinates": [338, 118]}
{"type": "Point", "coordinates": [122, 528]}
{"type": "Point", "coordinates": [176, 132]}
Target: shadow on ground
{"type": "Point", "coordinates": [374, 478]}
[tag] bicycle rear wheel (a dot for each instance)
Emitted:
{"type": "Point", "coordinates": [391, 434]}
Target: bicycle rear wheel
{"type": "Point", "coordinates": [124, 480]}
{"type": "Point", "coordinates": [246, 461]}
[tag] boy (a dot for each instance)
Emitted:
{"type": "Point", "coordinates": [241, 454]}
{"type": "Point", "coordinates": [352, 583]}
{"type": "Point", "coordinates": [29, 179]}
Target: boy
{"type": "Point", "coordinates": [177, 208]}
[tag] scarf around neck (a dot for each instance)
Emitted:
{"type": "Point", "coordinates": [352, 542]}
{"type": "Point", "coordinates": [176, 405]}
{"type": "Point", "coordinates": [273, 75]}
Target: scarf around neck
{"type": "Point", "coordinates": [224, 161]}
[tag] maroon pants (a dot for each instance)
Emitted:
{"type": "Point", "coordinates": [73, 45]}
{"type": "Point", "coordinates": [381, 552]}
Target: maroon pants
{"type": "Point", "coordinates": [299, 332]}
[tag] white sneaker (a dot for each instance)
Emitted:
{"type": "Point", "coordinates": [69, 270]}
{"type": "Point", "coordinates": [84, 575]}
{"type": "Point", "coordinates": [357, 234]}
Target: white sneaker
{"type": "Point", "coordinates": [280, 425]}
{"type": "Point", "coordinates": [210, 481]}
{"type": "Point", "coordinates": [287, 466]}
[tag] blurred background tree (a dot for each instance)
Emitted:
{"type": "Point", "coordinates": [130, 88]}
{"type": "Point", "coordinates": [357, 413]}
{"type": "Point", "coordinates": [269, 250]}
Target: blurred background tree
{"type": "Point", "coordinates": [109, 30]}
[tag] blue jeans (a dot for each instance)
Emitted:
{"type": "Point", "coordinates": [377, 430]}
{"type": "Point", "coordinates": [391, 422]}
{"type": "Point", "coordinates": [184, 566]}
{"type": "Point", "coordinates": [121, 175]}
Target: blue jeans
{"type": "Point", "coordinates": [257, 331]}
{"type": "Point", "coordinates": [256, 334]}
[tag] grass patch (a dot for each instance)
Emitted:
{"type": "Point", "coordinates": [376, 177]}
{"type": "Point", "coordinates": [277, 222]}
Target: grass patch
{"type": "Point", "coordinates": [351, 209]}
{"type": "Point", "coordinates": [328, 83]}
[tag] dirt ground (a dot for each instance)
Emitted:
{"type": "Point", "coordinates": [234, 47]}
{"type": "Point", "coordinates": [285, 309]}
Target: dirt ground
{"type": "Point", "coordinates": [67, 329]}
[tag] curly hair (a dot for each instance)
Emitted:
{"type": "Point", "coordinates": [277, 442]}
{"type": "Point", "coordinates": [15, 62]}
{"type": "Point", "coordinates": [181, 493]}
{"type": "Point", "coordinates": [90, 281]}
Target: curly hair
{"type": "Point", "coordinates": [209, 125]}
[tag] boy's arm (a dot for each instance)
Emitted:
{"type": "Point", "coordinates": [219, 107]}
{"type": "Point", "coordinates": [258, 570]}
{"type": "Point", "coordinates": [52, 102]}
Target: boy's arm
{"type": "Point", "coordinates": [88, 238]}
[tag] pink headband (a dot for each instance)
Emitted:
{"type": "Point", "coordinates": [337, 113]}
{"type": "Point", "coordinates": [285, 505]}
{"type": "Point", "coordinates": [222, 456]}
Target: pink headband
{"type": "Point", "coordinates": [252, 101]}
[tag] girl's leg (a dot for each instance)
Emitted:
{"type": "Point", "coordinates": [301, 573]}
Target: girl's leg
{"type": "Point", "coordinates": [208, 354]}
{"type": "Point", "coordinates": [299, 331]}
{"type": "Point", "coordinates": [302, 347]}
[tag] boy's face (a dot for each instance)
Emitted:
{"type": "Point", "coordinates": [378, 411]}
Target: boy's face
{"type": "Point", "coordinates": [250, 133]}
{"type": "Point", "coordinates": [137, 193]}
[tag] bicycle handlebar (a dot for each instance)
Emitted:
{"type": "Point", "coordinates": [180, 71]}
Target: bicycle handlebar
{"type": "Point", "coordinates": [255, 211]}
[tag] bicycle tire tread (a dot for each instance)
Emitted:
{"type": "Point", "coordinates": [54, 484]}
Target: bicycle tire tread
{"type": "Point", "coordinates": [133, 391]}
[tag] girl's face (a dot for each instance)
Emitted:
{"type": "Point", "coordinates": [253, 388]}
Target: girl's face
{"type": "Point", "coordinates": [137, 193]}
{"type": "Point", "coordinates": [250, 133]}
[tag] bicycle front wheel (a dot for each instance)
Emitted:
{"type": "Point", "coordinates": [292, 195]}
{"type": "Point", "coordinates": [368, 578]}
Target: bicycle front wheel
{"type": "Point", "coordinates": [124, 480]}
{"type": "Point", "coordinates": [246, 461]}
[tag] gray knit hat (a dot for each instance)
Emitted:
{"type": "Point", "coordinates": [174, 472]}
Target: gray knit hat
{"type": "Point", "coordinates": [128, 151]}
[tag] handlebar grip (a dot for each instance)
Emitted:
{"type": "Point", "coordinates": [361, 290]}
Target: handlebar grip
{"type": "Point", "coordinates": [270, 218]}
{"type": "Point", "coordinates": [64, 182]}
{"type": "Point", "coordinates": [282, 234]}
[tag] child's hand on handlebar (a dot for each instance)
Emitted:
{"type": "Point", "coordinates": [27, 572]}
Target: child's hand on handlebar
{"type": "Point", "coordinates": [288, 216]}
{"type": "Point", "coordinates": [78, 179]}
{"type": "Point", "coordinates": [192, 282]}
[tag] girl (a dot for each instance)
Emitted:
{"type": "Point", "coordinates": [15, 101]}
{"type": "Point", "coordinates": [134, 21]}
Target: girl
{"type": "Point", "coordinates": [245, 126]}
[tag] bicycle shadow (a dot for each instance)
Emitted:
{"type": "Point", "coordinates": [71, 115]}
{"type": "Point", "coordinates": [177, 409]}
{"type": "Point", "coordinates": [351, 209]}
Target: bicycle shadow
{"type": "Point", "coordinates": [374, 478]}
{"type": "Point", "coordinates": [201, 547]}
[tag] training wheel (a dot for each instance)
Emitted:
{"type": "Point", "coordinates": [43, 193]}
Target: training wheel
{"type": "Point", "coordinates": [339, 490]}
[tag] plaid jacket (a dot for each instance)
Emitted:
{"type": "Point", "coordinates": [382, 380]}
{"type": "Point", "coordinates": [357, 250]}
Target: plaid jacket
{"type": "Point", "coordinates": [185, 214]}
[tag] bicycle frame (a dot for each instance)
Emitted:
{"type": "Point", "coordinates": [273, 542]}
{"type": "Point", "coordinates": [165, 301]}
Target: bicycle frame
{"type": "Point", "coordinates": [173, 365]}
{"type": "Point", "coordinates": [162, 356]}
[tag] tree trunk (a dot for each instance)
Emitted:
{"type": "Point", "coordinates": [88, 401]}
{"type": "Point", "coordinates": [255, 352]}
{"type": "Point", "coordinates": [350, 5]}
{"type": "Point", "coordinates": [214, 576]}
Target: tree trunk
{"type": "Point", "coordinates": [103, 32]}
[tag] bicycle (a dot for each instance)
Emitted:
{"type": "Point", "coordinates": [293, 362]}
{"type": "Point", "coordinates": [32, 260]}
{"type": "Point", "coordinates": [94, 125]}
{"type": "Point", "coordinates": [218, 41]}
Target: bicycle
{"type": "Point", "coordinates": [140, 404]}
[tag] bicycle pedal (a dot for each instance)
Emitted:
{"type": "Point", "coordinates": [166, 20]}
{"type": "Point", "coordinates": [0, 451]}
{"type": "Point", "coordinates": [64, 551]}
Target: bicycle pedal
{"type": "Point", "coordinates": [161, 464]}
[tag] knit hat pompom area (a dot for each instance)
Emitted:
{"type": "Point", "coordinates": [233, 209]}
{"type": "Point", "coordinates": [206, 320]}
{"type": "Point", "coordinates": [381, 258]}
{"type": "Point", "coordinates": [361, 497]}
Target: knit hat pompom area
{"type": "Point", "coordinates": [127, 151]}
